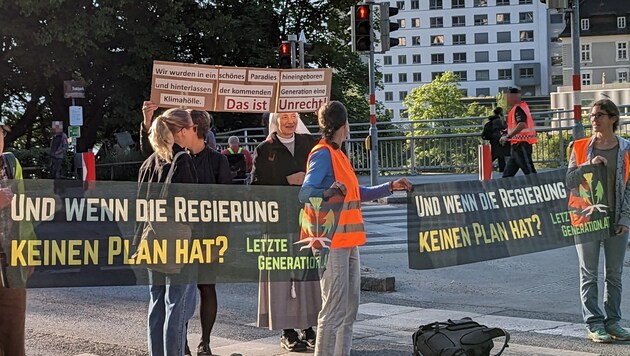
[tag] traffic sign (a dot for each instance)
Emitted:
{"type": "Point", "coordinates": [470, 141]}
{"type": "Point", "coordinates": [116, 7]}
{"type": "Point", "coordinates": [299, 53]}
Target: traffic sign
{"type": "Point", "coordinates": [76, 116]}
{"type": "Point", "coordinates": [74, 131]}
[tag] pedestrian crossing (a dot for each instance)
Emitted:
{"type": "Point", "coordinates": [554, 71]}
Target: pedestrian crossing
{"type": "Point", "coordinates": [385, 225]}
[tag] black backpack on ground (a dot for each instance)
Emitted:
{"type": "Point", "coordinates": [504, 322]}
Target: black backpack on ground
{"type": "Point", "coordinates": [463, 337]}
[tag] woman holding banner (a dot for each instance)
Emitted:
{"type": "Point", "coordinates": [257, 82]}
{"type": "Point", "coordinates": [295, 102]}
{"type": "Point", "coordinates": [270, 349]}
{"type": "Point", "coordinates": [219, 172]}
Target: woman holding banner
{"type": "Point", "coordinates": [331, 185]}
{"type": "Point", "coordinates": [173, 297]}
{"type": "Point", "coordinates": [607, 149]}
{"type": "Point", "coordinates": [286, 306]}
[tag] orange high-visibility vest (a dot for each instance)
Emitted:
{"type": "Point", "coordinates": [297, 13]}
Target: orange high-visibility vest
{"type": "Point", "coordinates": [576, 203]}
{"type": "Point", "coordinates": [528, 134]}
{"type": "Point", "coordinates": [339, 218]}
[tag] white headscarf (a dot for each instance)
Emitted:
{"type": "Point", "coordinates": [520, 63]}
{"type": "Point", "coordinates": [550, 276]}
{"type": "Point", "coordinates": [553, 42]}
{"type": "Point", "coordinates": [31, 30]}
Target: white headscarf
{"type": "Point", "coordinates": [273, 124]}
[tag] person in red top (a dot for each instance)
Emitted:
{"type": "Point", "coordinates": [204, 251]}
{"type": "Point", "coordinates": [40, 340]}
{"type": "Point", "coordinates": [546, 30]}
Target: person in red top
{"type": "Point", "coordinates": [235, 148]}
{"type": "Point", "coordinates": [521, 133]}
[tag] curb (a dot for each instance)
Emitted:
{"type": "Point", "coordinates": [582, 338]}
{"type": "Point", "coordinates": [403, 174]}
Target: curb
{"type": "Point", "coordinates": [373, 281]}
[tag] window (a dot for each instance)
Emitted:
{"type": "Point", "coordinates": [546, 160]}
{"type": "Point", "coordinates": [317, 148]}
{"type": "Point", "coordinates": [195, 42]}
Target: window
{"type": "Point", "coordinates": [402, 95]}
{"type": "Point", "coordinates": [463, 75]}
{"type": "Point", "coordinates": [481, 20]}
{"type": "Point", "coordinates": [417, 77]}
{"type": "Point", "coordinates": [402, 41]}
{"type": "Point", "coordinates": [402, 23]}
{"type": "Point", "coordinates": [459, 39]}
{"type": "Point", "coordinates": [556, 79]}
{"type": "Point", "coordinates": [400, 5]}
{"type": "Point", "coordinates": [504, 37]}
{"type": "Point", "coordinates": [459, 21]}
{"type": "Point", "coordinates": [482, 75]}
{"type": "Point", "coordinates": [585, 24]}
{"type": "Point", "coordinates": [504, 55]}
{"type": "Point", "coordinates": [415, 22]}
{"type": "Point", "coordinates": [556, 18]}
{"type": "Point", "coordinates": [387, 78]}
{"type": "Point", "coordinates": [435, 4]}
{"type": "Point", "coordinates": [556, 60]}
{"type": "Point", "coordinates": [505, 74]}
{"type": "Point", "coordinates": [481, 56]}
{"type": "Point", "coordinates": [526, 36]}
{"type": "Point", "coordinates": [387, 60]}
{"type": "Point", "coordinates": [389, 96]}
{"type": "Point", "coordinates": [437, 58]}
{"type": "Point", "coordinates": [464, 92]}
{"type": "Point", "coordinates": [622, 76]}
{"type": "Point", "coordinates": [527, 54]}
{"type": "Point", "coordinates": [586, 78]}
{"type": "Point", "coordinates": [526, 72]}
{"type": "Point", "coordinates": [455, 4]}
{"type": "Point", "coordinates": [402, 77]}
{"type": "Point", "coordinates": [621, 22]}
{"type": "Point", "coordinates": [416, 59]}
{"type": "Point", "coordinates": [524, 2]}
{"type": "Point", "coordinates": [503, 18]}
{"type": "Point", "coordinates": [437, 40]}
{"type": "Point", "coordinates": [402, 59]}
{"type": "Point", "coordinates": [503, 2]}
{"type": "Point", "coordinates": [622, 51]}
{"type": "Point", "coordinates": [459, 57]}
{"type": "Point", "coordinates": [403, 113]}
{"type": "Point", "coordinates": [415, 40]}
{"type": "Point", "coordinates": [415, 4]}
{"type": "Point", "coordinates": [525, 17]}
{"type": "Point", "coordinates": [437, 22]}
{"type": "Point", "coordinates": [481, 3]}
{"type": "Point", "coordinates": [483, 91]}
{"type": "Point", "coordinates": [585, 52]}
{"type": "Point", "coordinates": [435, 75]}
{"type": "Point", "coordinates": [481, 38]}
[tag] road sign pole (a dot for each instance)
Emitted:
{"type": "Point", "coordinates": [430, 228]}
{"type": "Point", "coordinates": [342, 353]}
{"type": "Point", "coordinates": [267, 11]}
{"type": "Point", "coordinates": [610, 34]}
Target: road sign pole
{"type": "Point", "coordinates": [373, 128]}
{"type": "Point", "coordinates": [578, 127]}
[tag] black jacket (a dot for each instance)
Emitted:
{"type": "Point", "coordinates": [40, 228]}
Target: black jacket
{"type": "Point", "coordinates": [273, 162]}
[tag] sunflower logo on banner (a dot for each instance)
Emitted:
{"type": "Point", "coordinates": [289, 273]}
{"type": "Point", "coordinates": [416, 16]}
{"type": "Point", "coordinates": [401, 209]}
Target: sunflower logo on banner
{"type": "Point", "coordinates": [316, 224]}
{"type": "Point", "coordinates": [587, 198]}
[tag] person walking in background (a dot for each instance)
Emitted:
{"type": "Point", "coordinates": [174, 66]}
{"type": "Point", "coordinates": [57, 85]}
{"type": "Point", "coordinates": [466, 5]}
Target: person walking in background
{"type": "Point", "coordinates": [58, 149]}
{"type": "Point", "coordinates": [235, 148]}
{"type": "Point", "coordinates": [281, 160]}
{"type": "Point", "coordinates": [172, 296]}
{"type": "Point", "coordinates": [331, 183]}
{"type": "Point", "coordinates": [521, 133]}
{"type": "Point", "coordinates": [492, 131]}
{"type": "Point", "coordinates": [612, 151]}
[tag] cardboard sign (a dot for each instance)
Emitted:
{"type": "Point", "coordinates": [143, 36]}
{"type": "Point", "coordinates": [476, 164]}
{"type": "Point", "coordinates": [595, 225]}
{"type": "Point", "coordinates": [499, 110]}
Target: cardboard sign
{"type": "Point", "coordinates": [234, 89]}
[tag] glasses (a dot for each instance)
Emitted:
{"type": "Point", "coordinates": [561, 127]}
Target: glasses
{"type": "Point", "coordinates": [599, 115]}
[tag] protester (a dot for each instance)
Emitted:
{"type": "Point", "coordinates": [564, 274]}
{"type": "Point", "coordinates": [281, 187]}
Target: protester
{"type": "Point", "coordinates": [606, 148]}
{"type": "Point", "coordinates": [281, 160]}
{"type": "Point", "coordinates": [492, 131]}
{"type": "Point", "coordinates": [211, 139]}
{"type": "Point", "coordinates": [12, 279]}
{"type": "Point", "coordinates": [235, 148]}
{"type": "Point", "coordinates": [172, 296]}
{"type": "Point", "coordinates": [58, 149]}
{"type": "Point", "coordinates": [331, 179]}
{"type": "Point", "coordinates": [212, 168]}
{"type": "Point", "coordinates": [521, 133]}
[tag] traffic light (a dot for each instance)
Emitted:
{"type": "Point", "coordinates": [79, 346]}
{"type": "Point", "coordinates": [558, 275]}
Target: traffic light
{"type": "Point", "coordinates": [361, 28]}
{"type": "Point", "coordinates": [303, 55]}
{"type": "Point", "coordinates": [388, 27]}
{"type": "Point", "coordinates": [284, 56]}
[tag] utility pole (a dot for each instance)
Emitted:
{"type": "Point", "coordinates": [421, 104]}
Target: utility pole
{"type": "Point", "coordinates": [373, 128]}
{"type": "Point", "coordinates": [578, 127]}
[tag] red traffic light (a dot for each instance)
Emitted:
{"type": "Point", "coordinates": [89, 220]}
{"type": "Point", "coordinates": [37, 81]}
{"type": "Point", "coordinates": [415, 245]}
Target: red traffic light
{"type": "Point", "coordinates": [285, 49]}
{"type": "Point", "coordinates": [363, 12]}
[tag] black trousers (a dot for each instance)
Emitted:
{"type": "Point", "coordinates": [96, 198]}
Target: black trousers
{"type": "Point", "coordinates": [520, 158]}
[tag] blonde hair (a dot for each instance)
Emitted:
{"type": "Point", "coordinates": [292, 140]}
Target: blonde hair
{"type": "Point", "coordinates": [163, 128]}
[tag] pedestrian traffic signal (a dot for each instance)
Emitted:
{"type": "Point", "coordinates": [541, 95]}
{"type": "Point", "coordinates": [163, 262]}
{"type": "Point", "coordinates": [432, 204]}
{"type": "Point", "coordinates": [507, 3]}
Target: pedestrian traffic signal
{"type": "Point", "coordinates": [303, 55]}
{"type": "Point", "coordinates": [285, 55]}
{"type": "Point", "coordinates": [361, 28]}
{"type": "Point", "coordinates": [388, 27]}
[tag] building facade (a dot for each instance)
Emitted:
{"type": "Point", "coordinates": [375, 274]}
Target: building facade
{"type": "Point", "coordinates": [490, 44]}
{"type": "Point", "coordinates": [604, 40]}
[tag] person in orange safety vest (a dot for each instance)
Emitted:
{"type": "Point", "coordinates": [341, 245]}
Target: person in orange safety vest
{"type": "Point", "coordinates": [521, 133]}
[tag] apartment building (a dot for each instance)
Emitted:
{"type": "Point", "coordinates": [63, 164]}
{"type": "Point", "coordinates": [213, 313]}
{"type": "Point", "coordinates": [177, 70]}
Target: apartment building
{"type": "Point", "coordinates": [490, 44]}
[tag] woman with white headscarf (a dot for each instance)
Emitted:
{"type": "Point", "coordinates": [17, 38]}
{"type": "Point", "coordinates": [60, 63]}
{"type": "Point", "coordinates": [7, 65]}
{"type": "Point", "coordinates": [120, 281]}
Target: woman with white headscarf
{"type": "Point", "coordinates": [281, 160]}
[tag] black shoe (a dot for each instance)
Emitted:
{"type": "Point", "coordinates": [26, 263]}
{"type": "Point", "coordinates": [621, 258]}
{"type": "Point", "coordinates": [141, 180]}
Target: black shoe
{"type": "Point", "coordinates": [308, 337]}
{"type": "Point", "coordinates": [204, 349]}
{"type": "Point", "coordinates": [291, 341]}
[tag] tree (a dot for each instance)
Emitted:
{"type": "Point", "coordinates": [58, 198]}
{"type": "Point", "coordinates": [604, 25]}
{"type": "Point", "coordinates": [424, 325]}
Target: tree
{"type": "Point", "coordinates": [438, 113]}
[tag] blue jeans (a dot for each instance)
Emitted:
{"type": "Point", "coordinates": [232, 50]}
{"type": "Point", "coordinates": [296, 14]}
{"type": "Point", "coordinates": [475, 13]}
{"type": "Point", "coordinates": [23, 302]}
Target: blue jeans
{"type": "Point", "coordinates": [172, 304]}
{"type": "Point", "coordinates": [588, 255]}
